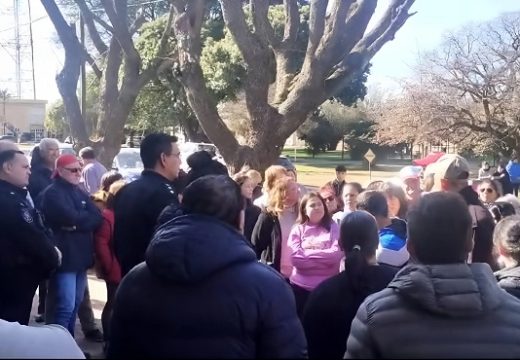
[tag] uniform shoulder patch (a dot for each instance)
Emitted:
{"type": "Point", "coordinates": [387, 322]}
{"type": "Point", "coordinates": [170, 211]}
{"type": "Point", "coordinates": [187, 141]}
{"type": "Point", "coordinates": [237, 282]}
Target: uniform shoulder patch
{"type": "Point", "coordinates": [26, 215]}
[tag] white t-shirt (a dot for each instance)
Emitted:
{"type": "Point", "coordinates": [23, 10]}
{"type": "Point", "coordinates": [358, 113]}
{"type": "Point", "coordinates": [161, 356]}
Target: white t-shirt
{"type": "Point", "coordinates": [37, 342]}
{"type": "Point", "coordinates": [337, 217]}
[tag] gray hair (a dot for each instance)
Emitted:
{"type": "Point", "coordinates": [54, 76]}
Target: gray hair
{"type": "Point", "coordinates": [47, 143]}
{"type": "Point", "coordinates": [511, 199]}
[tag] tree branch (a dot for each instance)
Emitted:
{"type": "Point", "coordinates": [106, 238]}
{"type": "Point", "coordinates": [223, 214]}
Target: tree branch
{"type": "Point", "coordinates": [316, 27]}
{"type": "Point", "coordinates": [159, 59]}
{"type": "Point", "coordinates": [67, 79]}
{"type": "Point", "coordinates": [397, 22]}
{"type": "Point", "coordinates": [88, 17]}
{"type": "Point", "coordinates": [292, 21]}
{"type": "Point", "coordinates": [263, 29]}
{"type": "Point", "coordinates": [121, 31]}
{"type": "Point", "coordinates": [235, 20]}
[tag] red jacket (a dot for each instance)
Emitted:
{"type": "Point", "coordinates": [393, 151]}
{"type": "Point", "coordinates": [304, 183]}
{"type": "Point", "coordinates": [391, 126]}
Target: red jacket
{"type": "Point", "coordinates": [107, 266]}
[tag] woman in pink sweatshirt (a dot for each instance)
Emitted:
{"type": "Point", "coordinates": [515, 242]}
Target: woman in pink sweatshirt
{"type": "Point", "coordinates": [315, 252]}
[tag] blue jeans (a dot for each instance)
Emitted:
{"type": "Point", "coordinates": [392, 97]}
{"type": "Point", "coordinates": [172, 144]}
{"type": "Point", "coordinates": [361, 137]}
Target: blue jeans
{"type": "Point", "coordinates": [65, 292]}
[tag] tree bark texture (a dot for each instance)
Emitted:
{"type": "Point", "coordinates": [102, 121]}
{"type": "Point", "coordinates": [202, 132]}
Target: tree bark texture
{"type": "Point", "coordinates": [121, 78]}
{"type": "Point", "coordinates": [338, 49]}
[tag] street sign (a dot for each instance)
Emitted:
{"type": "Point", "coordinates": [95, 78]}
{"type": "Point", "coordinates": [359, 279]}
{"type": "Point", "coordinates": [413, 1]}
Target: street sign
{"type": "Point", "coordinates": [370, 156]}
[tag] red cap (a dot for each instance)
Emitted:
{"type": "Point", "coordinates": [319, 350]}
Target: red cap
{"type": "Point", "coordinates": [62, 161]}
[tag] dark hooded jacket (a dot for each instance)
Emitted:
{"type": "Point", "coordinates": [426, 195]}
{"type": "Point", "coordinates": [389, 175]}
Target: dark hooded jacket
{"type": "Point", "coordinates": [483, 226]}
{"type": "Point", "coordinates": [202, 294]}
{"type": "Point", "coordinates": [438, 311]}
{"type": "Point", "coordinates": [40, 175]}
{"type": "Point", "coordinates": [509, 280]}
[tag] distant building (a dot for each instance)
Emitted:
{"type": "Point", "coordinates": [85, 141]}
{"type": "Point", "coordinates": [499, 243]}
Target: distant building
{"type": "Point", "coordinates": [23, 118]}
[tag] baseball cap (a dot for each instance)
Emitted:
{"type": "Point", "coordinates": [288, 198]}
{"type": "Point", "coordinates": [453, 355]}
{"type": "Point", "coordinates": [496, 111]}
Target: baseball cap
{"type": "Point", "coordinates": [62, 161]}
{"type": "Point", "coordinates": [449, 167]}
{"type": "Point", "coordinates": [410, 172]}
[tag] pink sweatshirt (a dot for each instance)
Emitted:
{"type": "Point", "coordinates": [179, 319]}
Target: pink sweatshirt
{"type": "Point", "coordinates": [315, 254]}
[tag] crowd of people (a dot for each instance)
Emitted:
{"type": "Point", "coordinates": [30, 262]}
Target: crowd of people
{"type": "Point", "coordinates": [204, 264]}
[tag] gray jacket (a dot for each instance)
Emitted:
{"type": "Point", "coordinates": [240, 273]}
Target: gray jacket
{"type": "Point", "coordinates": [438, 311]}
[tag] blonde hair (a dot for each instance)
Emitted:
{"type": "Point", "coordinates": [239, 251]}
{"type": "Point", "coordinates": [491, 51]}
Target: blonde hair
{"type": "Point", "coordinates": [116, 186]}
{"type": "Point", "coordinates": [254, 176]}
{"type": "Point", "coordinates": [272, 174]}
{"type": "Point", "coordinates": [277, 195]}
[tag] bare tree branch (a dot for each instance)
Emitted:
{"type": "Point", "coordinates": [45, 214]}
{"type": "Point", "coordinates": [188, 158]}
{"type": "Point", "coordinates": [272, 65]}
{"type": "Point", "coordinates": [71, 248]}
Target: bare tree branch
{"type": "Point", "coordinates": [263, 29]}
{"type": "Point", "coordinates": [316, 27]}
{"type": "Point", "coordinates": [118, 18]}
{"type": "Point", "coordinates": [88, 17]}
{"type": "Point", "coordinates": [292, 20]}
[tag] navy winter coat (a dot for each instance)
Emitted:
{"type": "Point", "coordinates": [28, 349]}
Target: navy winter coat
{"type": "Point", "coordinates": [40, 178]}
{"type": "Point", "coordinates": [73, 218]}
{"type": "Point", "coordinates": [202, 294]}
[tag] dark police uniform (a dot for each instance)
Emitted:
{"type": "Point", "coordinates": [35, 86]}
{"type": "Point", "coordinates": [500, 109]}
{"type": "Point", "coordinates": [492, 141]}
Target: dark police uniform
{"type": "Point", "coordinates": [137, 207]}
{"type": "Point", "coordinates": [27, 254]}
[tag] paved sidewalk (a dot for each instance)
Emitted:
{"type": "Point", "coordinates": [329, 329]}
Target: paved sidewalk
{"type": "Point", "coordinates": [98, 299]}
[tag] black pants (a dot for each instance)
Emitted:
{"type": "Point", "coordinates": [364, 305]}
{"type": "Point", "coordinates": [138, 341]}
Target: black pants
{"type": "Point", "coordinates": [17, 288]}
{"type": "Point", "coordinates": [107, 310]}
{"type": "Point", "coordinates": [300, 295]}
{"type": "Point", "coordinates": [515, 189]}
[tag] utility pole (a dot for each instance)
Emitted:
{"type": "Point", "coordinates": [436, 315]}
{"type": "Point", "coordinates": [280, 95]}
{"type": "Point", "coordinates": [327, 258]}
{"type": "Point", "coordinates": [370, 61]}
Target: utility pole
{"type": "Point", "coordinates": [32, 49]}
{"type": "Point", "coordinates": [18, 49]}
{"type": "Point", "coordinates": [83, 72]}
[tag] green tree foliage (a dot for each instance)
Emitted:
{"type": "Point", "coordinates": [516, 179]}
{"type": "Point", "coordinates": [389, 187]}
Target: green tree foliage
{"type": "Point", "coordinates": [317, 133]}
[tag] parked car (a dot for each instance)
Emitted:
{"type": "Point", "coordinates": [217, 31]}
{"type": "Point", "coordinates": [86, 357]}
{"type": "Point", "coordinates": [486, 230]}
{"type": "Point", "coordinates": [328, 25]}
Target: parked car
{"type": "Point", "coordinates": [286, 163]}
{"type": "Point", "coordinates": [8, 137]}
{"type": "Point", "coordinates": [128, 163]}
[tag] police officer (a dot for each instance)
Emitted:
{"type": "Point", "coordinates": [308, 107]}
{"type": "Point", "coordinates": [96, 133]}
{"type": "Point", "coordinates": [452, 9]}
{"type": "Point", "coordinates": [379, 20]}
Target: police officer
{"type": "Point", "coordinates": [27, 255]}
{"type": "Point", "coordinates": [137, 205]}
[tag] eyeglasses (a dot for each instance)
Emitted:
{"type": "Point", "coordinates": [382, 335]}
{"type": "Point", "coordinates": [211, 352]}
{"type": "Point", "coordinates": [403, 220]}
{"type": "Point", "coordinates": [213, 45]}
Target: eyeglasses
{"type": "Point", "coordinates": [73, 170]}
{"type": "Point", "coordinates": [488, 190]}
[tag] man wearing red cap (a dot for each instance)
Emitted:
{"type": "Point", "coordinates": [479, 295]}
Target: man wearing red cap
{"type": "Point", "coordinates": [73, 218]}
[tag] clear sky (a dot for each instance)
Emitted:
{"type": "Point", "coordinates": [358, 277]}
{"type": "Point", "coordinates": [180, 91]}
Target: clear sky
{"type": "Point", "coordinates": [422, 32]}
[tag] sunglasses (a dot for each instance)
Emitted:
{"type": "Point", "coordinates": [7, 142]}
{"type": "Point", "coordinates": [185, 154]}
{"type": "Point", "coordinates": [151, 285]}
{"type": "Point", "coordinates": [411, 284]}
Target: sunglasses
{"type": "Point", "coordinates": [73, 170]}
{"type": "Point", "coordinates": [330, 198]}
{"type": "Point", "coordinates": [488, 190]}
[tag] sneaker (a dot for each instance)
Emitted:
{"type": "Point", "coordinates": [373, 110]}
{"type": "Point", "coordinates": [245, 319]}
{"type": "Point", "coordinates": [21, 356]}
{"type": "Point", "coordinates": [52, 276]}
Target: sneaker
{"type": "Point", "coordinates": [39, 318]}
{"type": "Point", "coordinates": [94, 335]}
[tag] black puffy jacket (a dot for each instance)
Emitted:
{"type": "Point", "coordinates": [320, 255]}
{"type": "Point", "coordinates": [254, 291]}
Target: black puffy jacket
{"type": "Point", "coordinates": [438, 311]}
{"type": "Point", "coordinates": [509, 280]}
{"type": "Point", "coordinates": [202, 294]}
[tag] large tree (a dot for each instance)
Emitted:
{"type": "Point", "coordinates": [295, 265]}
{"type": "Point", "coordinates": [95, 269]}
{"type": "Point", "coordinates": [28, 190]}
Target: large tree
{"type": "Point", "coordinates": [469, 86]}
{"type": "Point", "coordinates": [338, 50]}
{"type": "Point", "coordinates": [112, 27]}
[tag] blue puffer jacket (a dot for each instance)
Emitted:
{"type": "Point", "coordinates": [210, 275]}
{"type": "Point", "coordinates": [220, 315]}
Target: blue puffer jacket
{"type": "Point", "coordinates": [392, 244]}
{"type": "Point", "coordinates": [513, 169]}
{"type": "Point", "coordinates": [73, 218]}
{"type": "Point", "coordinates": [202, 294]}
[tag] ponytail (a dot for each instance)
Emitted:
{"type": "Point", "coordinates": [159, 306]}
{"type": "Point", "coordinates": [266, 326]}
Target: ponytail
{"type": "Point", "coordinates": [355, 266]}
{"type": "Point", "coordinates": [359, 239]}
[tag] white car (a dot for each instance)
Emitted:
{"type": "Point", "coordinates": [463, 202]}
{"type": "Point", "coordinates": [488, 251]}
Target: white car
{"type": "Point", "coordinates": [128, 163]}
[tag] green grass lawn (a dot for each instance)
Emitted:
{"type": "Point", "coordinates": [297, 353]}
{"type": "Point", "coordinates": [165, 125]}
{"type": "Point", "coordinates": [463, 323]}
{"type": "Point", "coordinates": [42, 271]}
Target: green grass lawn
{"type": "Point", "coordinates": [317, 171]}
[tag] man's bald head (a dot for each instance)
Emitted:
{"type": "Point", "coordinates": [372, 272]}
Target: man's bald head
{"type": "Point", "coordinates": [8, 145]}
